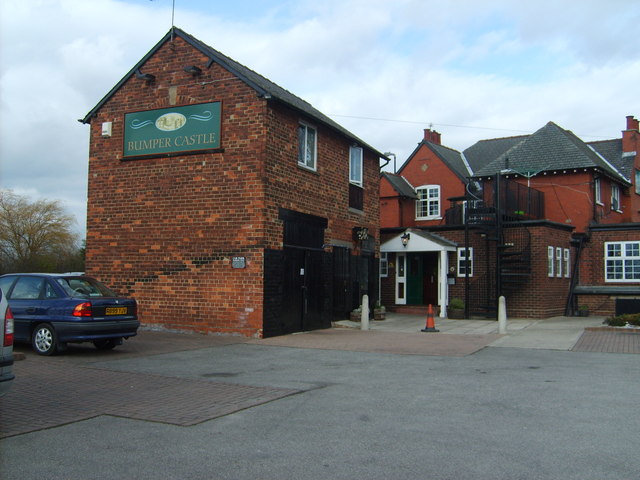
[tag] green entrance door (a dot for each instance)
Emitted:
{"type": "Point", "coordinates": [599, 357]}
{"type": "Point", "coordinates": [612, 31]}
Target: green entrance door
{"type": "Point", "coordinates": [422, 278]}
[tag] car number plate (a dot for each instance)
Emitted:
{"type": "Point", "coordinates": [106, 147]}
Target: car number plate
{"type": "Point", "coordinates": [116, 311]}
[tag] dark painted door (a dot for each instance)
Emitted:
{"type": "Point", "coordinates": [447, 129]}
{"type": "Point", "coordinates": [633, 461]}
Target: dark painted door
{"type": "Point", "coordinates": [302, 296]}
{"type": "Point", "coordinates": [430, 284]}
{"type": "Point", "coordinates": [415, 278]}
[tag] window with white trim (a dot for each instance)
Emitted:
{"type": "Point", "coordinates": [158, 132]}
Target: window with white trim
{"type": "Point", "coordinates": [567, 262]}
{"type": "Point", "coordinates": [465, 261]}
{"type": "Point", "coordinates": [638, 182]}
{"type": "Point", "coordinates": [355, 165]}
{"type": "Point", "coordinates": [598, 190]}
{"type": "Point", "coordinates": [615, 198]}
{"type": "Point", "coordinates": [550, 262]}
{"type": "Point", "coordinates": [307, 143]}
{"type": "Point", "coordinates": [428, 202]}
{"type": "Point", "coordinates": [622, 261]}
{"type": "Point", "coordinates": [558, 262]}
{"type": "Point", "coordinates": [384, 264]}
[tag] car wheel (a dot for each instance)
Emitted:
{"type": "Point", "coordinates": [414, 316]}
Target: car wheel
{"type": "Point", "coordinates": [106, 344]}
{"type": "Point", "coordinates": [44, 340]}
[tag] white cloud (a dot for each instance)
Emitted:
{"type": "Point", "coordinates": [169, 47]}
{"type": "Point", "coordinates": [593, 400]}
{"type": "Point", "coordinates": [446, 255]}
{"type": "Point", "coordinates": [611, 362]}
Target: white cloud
{"type": "Point", "coordinates": [500, 66]}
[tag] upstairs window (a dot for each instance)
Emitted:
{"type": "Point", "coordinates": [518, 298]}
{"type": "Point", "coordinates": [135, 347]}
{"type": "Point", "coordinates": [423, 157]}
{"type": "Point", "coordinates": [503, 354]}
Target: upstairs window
{"type": "Point", "coordinates": [598, 191]}
{"type": "Point", "coordinates": [638, 182]}
{"type": "Point", "coordinates": [307, 143]}
{"type": "Point", "coordinates": [355, 165]}
{"type": "Point", "coordinates": [622, 261]}
{"type": "Point", "coordinates": [615, 198]}
{"type": "Point", "coordinates": [428, 202]}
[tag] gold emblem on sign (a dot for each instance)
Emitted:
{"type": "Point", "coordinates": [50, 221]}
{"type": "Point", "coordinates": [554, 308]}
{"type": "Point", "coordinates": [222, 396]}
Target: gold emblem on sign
{"type": "Point", "coordinates": [170, 121]}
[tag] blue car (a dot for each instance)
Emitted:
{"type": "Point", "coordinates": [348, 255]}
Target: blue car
{"type": "Point", "coordinates": [51, 310]}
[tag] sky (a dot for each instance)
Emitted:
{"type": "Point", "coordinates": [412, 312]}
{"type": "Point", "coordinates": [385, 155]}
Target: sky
{"type": "Point", "coordinates": [383, 69]}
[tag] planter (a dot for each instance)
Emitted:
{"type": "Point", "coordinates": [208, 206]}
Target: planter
{"type": "Point", "coordinates": [455, 313]}
{"type": "Point", "coordinates": [378, 314]}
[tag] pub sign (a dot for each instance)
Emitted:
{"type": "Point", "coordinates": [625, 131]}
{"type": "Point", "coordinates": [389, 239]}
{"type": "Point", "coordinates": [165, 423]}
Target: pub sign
{"type": "Point", "coordinates": [172, 130]}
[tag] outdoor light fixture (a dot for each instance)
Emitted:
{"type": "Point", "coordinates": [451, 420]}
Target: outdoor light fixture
{"type": "Point", "coordinates": [147, 77]}
{"type": "Point", "coordinates": [405, 239]}
{"type": "Point", "coordinates": [361, 234]}
{"type": "Point", "coordinates": [193, 70]}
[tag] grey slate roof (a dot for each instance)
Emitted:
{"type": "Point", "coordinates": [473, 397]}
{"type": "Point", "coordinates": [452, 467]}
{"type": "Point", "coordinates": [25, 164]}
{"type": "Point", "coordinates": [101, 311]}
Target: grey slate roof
{"type": "Point", "coordinates": [264, 87]}
{"type": "Point", "coordinates": [612, 151]}
{"type": "Point", "coordinates": [549, 149]}
{"type": "Point", "coordinates": [452, 158]}
{"type": "Point", "coordinates": [485, 151]}
{"type": "Point", "coordinates": [400, 185]}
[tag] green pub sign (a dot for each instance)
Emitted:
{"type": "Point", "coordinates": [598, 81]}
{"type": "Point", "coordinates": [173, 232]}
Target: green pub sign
{"type": "Point", "coordinates": [172, 130]}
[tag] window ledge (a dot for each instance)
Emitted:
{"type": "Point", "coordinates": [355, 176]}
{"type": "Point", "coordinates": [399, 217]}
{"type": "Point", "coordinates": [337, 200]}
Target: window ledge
{"type": "Point", "coordinates": [307, 169]}
{"type": "Point", "coordinates": [356, 211]}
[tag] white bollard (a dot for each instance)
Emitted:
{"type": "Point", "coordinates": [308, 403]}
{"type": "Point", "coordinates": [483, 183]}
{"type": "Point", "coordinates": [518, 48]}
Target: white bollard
{"type": "Point", "coordinates": [502, 315]}
{"type": "Point", "coordinates": [364, 319]}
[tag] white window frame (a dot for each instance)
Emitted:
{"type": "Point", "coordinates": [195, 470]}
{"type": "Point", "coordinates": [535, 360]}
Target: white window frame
{"type": "Point", "coordinates": [615, 198]}
{"type": "Point", "coordinates": [638, 181]}
{"type": "Point", "coordinates": [384, 264]}
{"type": "Point", "coordinates": [598, 190]}
{"type": "Point", "coordinates": [567, 263]}
{"type": "Point", "coordinates": [558, 262]}
{"type": "Point", "coordinates": [306, 158]}
{"type": "Point", "coordinates": [462, 260]}
{"type": "Point", "coordinates": [355, 165]}
{"type": "Point", "coordinates": [623, 260]}
{"type": "Point", "coordinates": [550, 261]}
{"type": "Point", "coordinates": [401, 279]}
{"type": "Point", "coordinates": [430, 202]}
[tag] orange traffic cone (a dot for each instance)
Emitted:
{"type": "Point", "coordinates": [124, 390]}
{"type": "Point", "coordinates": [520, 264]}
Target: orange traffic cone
{"type": "Point", "coordinates": [431, 324]}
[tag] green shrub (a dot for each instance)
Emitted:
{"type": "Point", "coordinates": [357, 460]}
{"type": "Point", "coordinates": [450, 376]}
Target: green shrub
{"type": "Point", "coordinates": [456, 303]}
{"type": "Point", "coordinates": [623, 320]}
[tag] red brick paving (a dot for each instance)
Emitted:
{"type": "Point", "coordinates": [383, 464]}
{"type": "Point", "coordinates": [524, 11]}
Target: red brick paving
{"type": "Point", "coordinates": [47, 394]}
{"type": "Point", "coordinates": [609, 341]}
{"type": "Point", "coordinates": [53, 391]}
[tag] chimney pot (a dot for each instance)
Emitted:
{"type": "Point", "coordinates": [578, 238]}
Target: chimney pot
{"type": "Point", "coordinates": [432, 136]}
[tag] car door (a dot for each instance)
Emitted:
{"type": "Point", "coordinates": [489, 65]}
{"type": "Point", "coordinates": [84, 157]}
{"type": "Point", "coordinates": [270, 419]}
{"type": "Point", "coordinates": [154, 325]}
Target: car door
{"type": "Point", "coordinates": [26, 305]}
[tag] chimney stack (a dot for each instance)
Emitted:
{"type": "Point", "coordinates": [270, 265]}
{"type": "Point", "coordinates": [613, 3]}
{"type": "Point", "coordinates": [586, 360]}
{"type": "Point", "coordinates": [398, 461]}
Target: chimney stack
{"type": "Point", "coordinates": [433, 136]}
{"type": "Point", "coordinates": [630, 136]}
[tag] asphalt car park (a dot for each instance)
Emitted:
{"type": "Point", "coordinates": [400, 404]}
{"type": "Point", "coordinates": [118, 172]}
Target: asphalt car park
{"type": "Point", "coordinates": [171, 406]}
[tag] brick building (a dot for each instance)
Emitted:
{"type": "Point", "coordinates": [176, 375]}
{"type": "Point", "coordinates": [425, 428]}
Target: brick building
{"type": "Point", "coordinates": [225, 204]}
{"type": "Point", "coordinates": [550, 222]}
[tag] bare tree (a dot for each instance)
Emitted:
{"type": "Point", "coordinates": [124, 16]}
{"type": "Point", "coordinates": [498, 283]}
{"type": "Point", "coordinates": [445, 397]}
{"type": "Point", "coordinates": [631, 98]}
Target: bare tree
{"type": "Point", "coordinates": [36, 236]}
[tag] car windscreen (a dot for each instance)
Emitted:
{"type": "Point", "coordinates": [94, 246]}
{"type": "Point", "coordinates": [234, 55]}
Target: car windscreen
{"type": "Point", "coordinates": [83, 287]}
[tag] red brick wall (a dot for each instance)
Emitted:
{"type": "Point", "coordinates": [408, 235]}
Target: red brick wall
{"type": "Point", "coordinates": [592, 267]}
{"type": "Point", "coordinates": [164, 230]}
{"type": "Point", "coordinates": [426, 168]}
{"type": "Point", "coordinates": [540, 297]}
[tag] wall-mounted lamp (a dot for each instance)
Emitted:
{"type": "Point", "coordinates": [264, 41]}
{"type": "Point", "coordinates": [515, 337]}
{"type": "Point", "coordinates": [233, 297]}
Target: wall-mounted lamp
{"type": "Point", "coordinates": [147, 77]}
{"type": "Point", "coordinates": [361, 234]}
{"type": "Point", "coordinates": [405, 239]}
{"type": "Point", "coordinates": [193, 70]}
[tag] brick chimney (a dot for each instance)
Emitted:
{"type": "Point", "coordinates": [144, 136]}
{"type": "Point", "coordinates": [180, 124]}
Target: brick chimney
{"type": "Point", "coordinates": [630, 136]}
{"type": "Point", "coordinates": [434, 137]}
